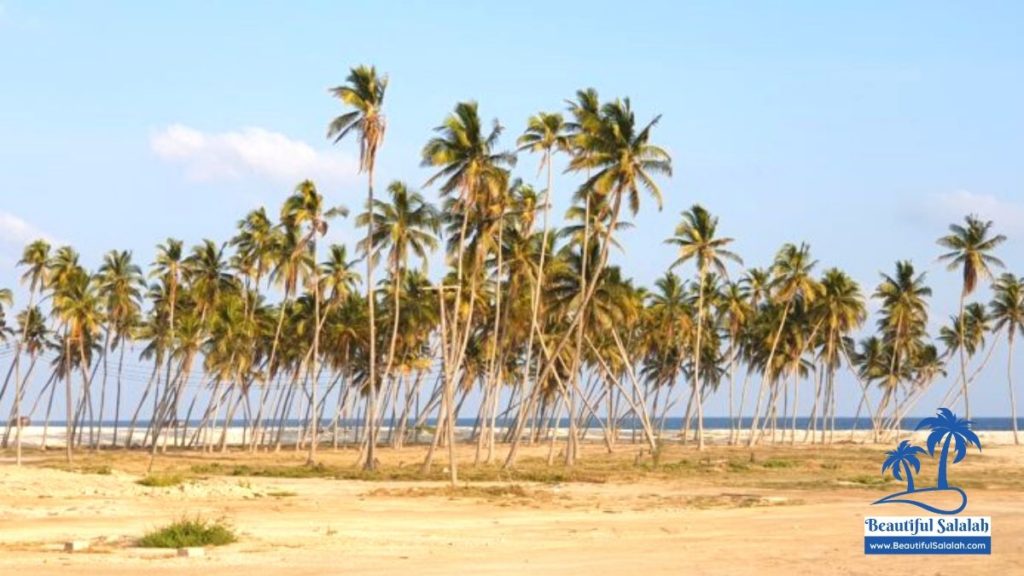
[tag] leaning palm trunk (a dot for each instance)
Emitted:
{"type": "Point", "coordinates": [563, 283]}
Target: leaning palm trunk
{"type": "Point", "coordinates": [371, 410]}
{"type": "Point", "coordinates": [696, 361]}
{"type": "Point", "coordinates": [1009, 381]}
{"type": "Point", "coordinates": [510, 460]}
{"type": "Point", "coordinates": [767, 372]}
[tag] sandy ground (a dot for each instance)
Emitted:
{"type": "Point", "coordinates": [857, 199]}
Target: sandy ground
{"type": "Point", "coordinates": [325, 526]}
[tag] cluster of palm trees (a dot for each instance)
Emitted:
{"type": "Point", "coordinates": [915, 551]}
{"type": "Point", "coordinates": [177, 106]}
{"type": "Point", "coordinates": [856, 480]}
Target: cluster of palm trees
{"type": "Point", "coordinates": [271, 328]}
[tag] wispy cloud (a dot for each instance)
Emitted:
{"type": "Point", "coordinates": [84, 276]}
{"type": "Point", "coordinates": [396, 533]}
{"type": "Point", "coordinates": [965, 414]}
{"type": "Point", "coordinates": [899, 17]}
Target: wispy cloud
{"type": "Point", "coordinates": [15, 232]}
{"type": "Point", "coordinates": [249, 152]}
{"type": "Point", "coordinates": [1008, 215]}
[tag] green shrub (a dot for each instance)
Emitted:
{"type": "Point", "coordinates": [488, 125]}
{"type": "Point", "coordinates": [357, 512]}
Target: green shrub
{"type": "Point", "coordinates": [186, 533]}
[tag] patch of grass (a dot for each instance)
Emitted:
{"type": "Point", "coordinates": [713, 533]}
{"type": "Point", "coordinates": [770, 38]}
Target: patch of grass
{"type": "Point", "coordinates": [188, 533]}
{"type": "Point", "coordinates": [161, 480]}
{"type": "Point", "coordinates": [101, 469]}
{"type": "Point", "coordinates": [282, 494]}
{"type": "Point", "coordinates": [318, 470]}
{"type": "Point", "coordinates": [778, 463]}
{"type": "Point", "coordinates": [738, 466]}
{"type": "Point", "coordinates": [869, 480]}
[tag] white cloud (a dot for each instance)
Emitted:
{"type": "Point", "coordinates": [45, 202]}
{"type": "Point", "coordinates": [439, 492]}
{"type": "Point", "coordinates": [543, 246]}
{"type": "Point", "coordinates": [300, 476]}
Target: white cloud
{"type": "Point", "coordinates": [1007, 215]}
{"type": "Point", "coordinates": [249, 152]}
{"type": "Point", "coordinates": [15, 232]}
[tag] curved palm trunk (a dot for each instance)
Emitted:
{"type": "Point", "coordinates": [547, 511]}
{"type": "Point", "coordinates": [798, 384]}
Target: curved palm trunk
{"type": "Point", "coordinates": [1009, 381]}
{"type": "Point", "coordinates": [510, 460]}
{"type": "Point", "coordinates": [371, 410]}
{"type": "Point", "coordinates": [963, 359]}
{"type": "Point", "coordinates": [314, 361]}
{"type": "Point", "coordinates": [767, 373]}
{"type": "Point", "coordinates": [696, 361]}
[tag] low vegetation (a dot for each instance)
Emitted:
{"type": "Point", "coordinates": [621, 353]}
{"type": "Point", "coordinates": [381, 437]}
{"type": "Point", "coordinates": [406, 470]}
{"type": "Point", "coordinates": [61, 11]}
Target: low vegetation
{"type": "Point", "coordinates": [189, 533]}
{"type": "Point", "coordinates": [161, 480]}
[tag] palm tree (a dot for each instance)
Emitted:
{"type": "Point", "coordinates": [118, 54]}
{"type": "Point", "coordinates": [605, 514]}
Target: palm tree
{"type": "Point", "coordinates": [545, 133]}
{"type": "Point", "coordinates": [305, 207]}
{"type": "Point", "coordinates": [35, 259]}
{"type": "Point", "coordinates": [1008, 314]}
{"type": "Point", "coordinates": [792, 280]}
{"type": "Point", "coordinates": [695, 237]}
{"type": "Point", "coordinates": [364, 93]}
{"type": "Point", "coordinates": [470, 167]}
{"type": "Point", "coordinates": [842, 310]}
{"type": "Point", "coordinates": [904, 456]}
{"type": "Point", "coordinates": [956, 431]}
{"type": "Point", "coordinates": [622, 161]}
{"type": "Point", "coordinates": [903, 324]}
{"type": "Point", "coordinates": [406, 224]}
{"type": "Point", "coordinates": [120, 287]}
{"type": "Point", "coordinates": [970, 247]}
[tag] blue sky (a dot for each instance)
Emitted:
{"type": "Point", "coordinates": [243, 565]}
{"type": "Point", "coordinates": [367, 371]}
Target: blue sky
{"type": "Point", "coordinates": [863, 128]}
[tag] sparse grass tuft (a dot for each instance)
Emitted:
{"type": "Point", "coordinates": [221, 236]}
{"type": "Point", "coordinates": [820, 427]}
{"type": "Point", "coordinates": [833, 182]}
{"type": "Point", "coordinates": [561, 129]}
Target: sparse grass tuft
{"type": "Point", "coordinates": [161, 480]}
{"type": "Point", "coordinates": [778, 463]}
{"type": "Point", "coordinates": [187, 533]}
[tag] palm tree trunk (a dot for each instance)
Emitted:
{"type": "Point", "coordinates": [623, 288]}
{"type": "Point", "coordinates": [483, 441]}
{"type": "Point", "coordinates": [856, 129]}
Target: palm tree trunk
{"type": "Point", "coordinates": [767, 371]}
{"type": "Point", "coordinates": [316, 352]}
{"type": "Point", "coordinates": [963, 359]}
{"type": "Point", "coordinates": [1009, 381]}
{"type": "Point", "coordinates": [370, 463]}
{"type": "Point", "coordinates": [521, 418]}
{"type": "Point", "coordinates": [696, 359]}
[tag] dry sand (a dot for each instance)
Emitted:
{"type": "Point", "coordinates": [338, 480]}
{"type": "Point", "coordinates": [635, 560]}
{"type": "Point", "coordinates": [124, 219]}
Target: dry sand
{"type": "Point", "coordinates": [637, 525]}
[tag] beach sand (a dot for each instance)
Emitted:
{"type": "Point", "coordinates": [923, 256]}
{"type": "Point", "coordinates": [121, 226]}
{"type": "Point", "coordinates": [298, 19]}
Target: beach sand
{"type": "Point", "coordinates": [776, 510]}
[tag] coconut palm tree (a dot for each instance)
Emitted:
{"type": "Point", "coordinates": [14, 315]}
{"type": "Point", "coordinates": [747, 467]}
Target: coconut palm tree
{"type": "Point", "coordinates": [305, 207]}
{"type": "Point", "coordinates": [35, 259]}
{"type": "Point", "coordinates": [903, 457]}
{"type": "Point", "coordinates": [364, 92]}
{"type": "Point", "coordinates": [469, 166]}
{"type": "Point", "coordinates": [903, 324]}
{"type": "Point", "coordinates": [407, 224]}
{"type": "Point", "coordinates": [120, 287]}
{"type": "Point", "coordinates": [949, 430]}
{"type": "Point", "coordinates": [1007, 309]}
{"type": "Point", "coordinates": [546, 133]}
{"type": "Point", "coordinates": [792, 280]}
{"type": "Point", "coordinates": [970, 249]}
{"type": "Point", "coordinates": [841, 309]}
{"type": "Point", "coordinates": [695, 237]}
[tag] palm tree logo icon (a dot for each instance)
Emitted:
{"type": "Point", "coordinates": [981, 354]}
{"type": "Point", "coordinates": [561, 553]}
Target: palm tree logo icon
{"type": "Point", "coordinates": [950, 432]}
{"type": "Point", "coordinates": [904, 456]}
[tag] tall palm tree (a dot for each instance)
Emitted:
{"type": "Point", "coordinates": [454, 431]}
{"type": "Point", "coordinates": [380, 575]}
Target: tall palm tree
{"type": "Point", "coordinates": [364, 93]}
{"type": "Point", "coordinates": [792, 280]}
{"type": "Point", "coordinates": [407, 224]}
{"type": "Point", "coordinates": [120, 287]}
{"type": "Point", "coordinates": [695, 237]}
{"type": "Point", "coordinates": [622, 161]}
{"type": "Point", "coordinates": [305, 207]}
{"type": "Point", "coordinates": [1007, 308]}
{"type": "Point", "coordinates": [470, 167]}
{"type": "Point", "coordinates": [35, 258]}
{"type": "Point", "coordinates": [546, 133]}
{"type": "Point", "coordinates": [903, 324]}
{"type": "Point", "coordinates": [841, 310]}
{"type": "Point", "coordinates": [970, 249]}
